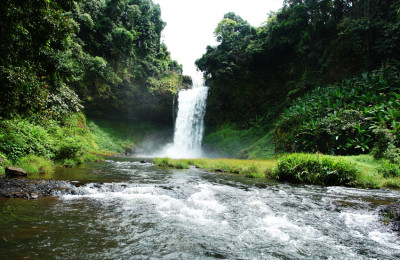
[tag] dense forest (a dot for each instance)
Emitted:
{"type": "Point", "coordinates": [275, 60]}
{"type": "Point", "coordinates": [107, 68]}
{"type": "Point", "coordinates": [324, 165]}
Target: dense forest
{"type": "Point", "coordinates": [103, 56]}
{"type": "Point", "coordinates": [332, 67]}
{"type": "Point", "coordinates": [61, 60]}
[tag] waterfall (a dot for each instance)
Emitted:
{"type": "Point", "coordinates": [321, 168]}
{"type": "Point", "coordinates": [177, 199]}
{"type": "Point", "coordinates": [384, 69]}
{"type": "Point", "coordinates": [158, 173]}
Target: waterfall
{"type": "Point", "coordinates": [189, 125]}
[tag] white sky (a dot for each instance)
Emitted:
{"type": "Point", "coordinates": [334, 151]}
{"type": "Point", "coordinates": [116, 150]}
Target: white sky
{"type": "Point", "coordinates": [191, 24]}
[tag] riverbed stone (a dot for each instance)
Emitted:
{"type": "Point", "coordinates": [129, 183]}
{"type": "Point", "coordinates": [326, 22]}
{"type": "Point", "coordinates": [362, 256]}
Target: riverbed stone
{"type": "Point", "coordinates": [391, 214]}
{"type": "Point", "coordinates": [15, 172]}
{"type": "Point", "coordinates": [29, 189]}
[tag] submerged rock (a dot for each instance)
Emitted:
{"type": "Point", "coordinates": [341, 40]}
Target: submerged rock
{"type": "Point", "coordinates": [29, 189]}
{"type": "Point", "coordinates": [15, 172]}
{"type": "Point", "coordinates": [391, 214]}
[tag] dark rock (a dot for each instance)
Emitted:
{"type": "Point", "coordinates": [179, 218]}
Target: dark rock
{"type": "Point", "coordinates": [131, 150]}
{"type": "Point", "coordinates": [143, 161]}
{"type": "Point", "coordinates": [219, 170]}
{"type": "Point", "coordinates": [75, 183]}
{"type": "Point", "coordinates": [15, 172]}
{"type": "Point", "coordinates": [29, 189]}
{"type": "Point", "coordinates": [391, 215]}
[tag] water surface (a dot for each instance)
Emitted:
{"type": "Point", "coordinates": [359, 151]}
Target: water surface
{"type": "Point", "coordinates": [123, 209]}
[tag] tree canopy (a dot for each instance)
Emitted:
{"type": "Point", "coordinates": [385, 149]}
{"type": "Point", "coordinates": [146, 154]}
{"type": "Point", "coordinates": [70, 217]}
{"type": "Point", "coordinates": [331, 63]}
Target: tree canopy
{"type": "Point", "coordinates": [305, 44]}
{"type": "Point", "coordinates": [103, 54]}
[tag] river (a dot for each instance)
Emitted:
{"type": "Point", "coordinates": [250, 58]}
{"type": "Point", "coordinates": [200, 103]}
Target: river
{"type": "Point", "coordinates": [124, 209]}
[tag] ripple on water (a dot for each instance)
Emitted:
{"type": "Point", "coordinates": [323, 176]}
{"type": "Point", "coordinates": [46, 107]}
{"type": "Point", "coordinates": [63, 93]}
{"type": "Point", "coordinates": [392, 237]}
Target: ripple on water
{"type": "Point", "coordinates": [191, 214]}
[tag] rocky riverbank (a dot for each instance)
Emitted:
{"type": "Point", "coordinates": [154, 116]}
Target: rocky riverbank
{"type": "Point", "coordinates": [29, 189]}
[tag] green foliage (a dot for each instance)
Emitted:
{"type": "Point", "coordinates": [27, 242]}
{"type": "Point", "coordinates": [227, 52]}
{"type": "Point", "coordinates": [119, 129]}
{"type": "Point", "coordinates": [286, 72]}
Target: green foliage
{"type": "Point", "coordinates": [126, 70]}
{"type": "Point", "coordinates": [181, 165]}
{"type": "Point", "coordinates": [20, 137]}
{"type": "Point", "coordinates": [35, 164]}
{"type": "Point", "coordinates": [342, 119]}
{"type": "Point", "coordinates": [388, 169]}
{"type": "Point", "coordinates": [316, 169]}
{"type": "Point", "coordinates": [104, 139]}
{"type": "Point", "coordinates": [65, 143]}
{"type": "Point", "coordinates": [162, 162]}
{"type": "Point", "coordinates": [106, 53]}
{"type": "Point", "coordinates": [261, 149]}
{"type": "Point", "coordinates": [68, 148]}
{"type": "Point", "coordinates": [4, 162]}
{"type": "Point", "coordinates": [34, 38]}
{"type": "Point", "coordinates": [303, 45]}
{"type": "Point", "coordinates": [384, 146]}
{"type": "Point", "coordinates": [69, 163]}
{"type": "Point", "coordinates": [228, 140]}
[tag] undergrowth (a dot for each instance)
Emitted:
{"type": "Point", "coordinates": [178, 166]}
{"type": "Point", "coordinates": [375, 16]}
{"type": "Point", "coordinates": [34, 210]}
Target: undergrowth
{"type": "Point", "coordinates": [343, 119]}
{"type": "Point", "coordinates": [228, 140]}
{"type": "Point", "coordinates": [34, 146]}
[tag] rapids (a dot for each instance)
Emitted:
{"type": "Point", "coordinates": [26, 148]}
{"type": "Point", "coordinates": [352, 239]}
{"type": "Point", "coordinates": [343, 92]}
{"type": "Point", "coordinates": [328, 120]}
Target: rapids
{"type": "Point", "coordinates": [130, 210]}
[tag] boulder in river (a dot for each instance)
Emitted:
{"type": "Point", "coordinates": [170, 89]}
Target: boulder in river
{"type": "Point", "coordinates": [15, 172]}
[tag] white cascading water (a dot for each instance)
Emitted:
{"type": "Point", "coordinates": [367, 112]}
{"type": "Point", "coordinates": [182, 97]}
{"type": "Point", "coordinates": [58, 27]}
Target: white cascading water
{"type": "Point", "coordinates": [189, 125]}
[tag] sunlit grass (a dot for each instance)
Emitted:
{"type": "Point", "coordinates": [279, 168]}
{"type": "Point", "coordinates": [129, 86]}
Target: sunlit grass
{"type": "Point", "coordinates": [249, 168]}
{"type": "Point", "coordinates": [371, 172]}
{"type": "Point", "coordinates": [35, 164]}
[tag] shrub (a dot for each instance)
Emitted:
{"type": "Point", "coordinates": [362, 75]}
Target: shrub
{"type": "Point", "coordinates": [69, 163]}
{"type": "Point", "coordinates": [384, 138]}
{"type": "Point", "coordinates": [316, 169]}
{"type": "Point", "coordinates": [69, 148]}
{"type": "Point", "coordinates": [20, 137]}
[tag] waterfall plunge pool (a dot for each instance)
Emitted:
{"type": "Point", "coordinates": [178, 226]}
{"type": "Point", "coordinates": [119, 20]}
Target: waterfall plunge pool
{"type": "Point", "coordinates": [125, 209]}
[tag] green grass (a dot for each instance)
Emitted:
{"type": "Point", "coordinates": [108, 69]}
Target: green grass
{"type": "Point", "coordinates": [34, 164]}
{"type": "Point", "coordinates": [249, 168]}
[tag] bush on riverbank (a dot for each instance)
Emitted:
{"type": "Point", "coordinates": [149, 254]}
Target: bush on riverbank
{"type": "Point", "coordinates": [316, 169]}
{"type": "Point", "coordinates": [356, 171]}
